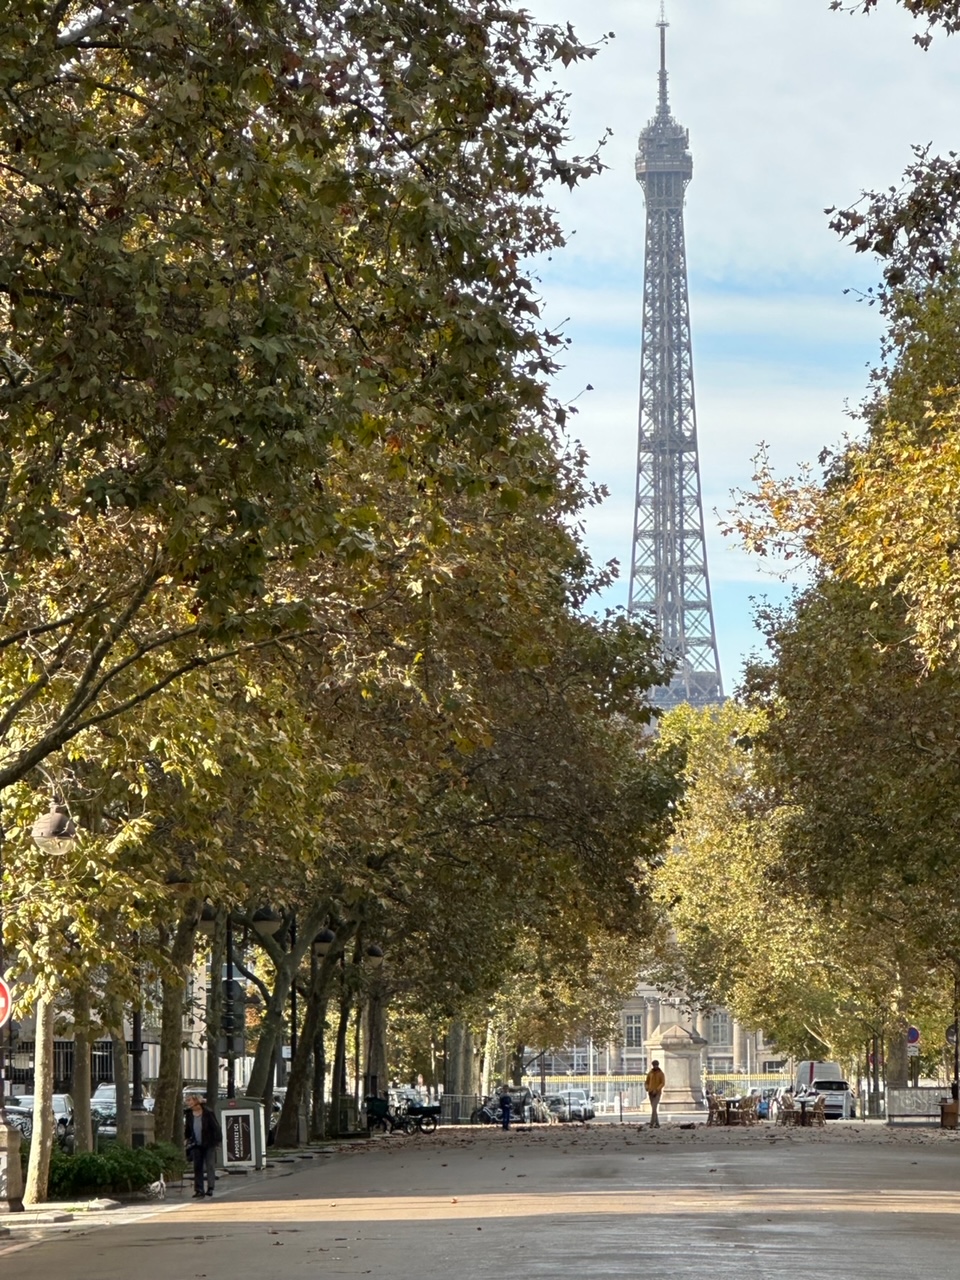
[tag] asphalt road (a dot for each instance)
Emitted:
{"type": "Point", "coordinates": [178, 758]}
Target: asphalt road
{"type": "Point", "coordinates": [766, 1204]}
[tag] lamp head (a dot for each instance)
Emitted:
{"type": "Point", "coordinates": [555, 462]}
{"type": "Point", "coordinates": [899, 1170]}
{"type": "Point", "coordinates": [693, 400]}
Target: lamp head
{"type": "Point", "coordinates": [266, 921]}
{"type": "Point", "coordinates": [323, 942]}
{"type": "Point", "coordinates": [55, 832]}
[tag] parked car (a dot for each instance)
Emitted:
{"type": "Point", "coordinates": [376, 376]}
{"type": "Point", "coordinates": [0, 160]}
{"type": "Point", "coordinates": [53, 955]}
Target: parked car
{"type": "Point", "coordinates": [839, 1102]}
{"type": "Point", "coordinates": [557, 1106]}
{"type": "Point", "coordinates": [521, 1100]}
{"type": "Point", "coordinates": [571, 1104]}
{"type": "Point", "coordinates": [22, 1116]}
{"type": "Point", "coordinates": [105, 1099]}
{"type": "Point", "coordinates": [538, 1112]}
{"type": "Point", "coordinates": [581, 1102]}
{"type": "Point", "coordinates": [487, 1113]}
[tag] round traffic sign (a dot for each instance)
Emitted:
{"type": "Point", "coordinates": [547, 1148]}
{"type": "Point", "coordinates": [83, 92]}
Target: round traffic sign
{"type": "Point", "coordinates": [913, 1035]}
{"type": "Point", "coordinates": [6, 1003]}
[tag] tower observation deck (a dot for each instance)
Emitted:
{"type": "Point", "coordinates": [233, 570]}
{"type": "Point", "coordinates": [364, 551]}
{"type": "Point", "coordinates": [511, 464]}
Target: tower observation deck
{"type": "Point", "coordinates": [669, 583]}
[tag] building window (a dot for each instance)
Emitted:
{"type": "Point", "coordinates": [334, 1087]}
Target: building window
{"type": "Point", "coordinates": [633, 1031]}
{"type": "Point", "coordinates": [721, 1030]}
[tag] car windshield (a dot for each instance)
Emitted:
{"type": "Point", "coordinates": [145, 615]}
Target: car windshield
{"type": "Point", "coordinates": [831, 1086]}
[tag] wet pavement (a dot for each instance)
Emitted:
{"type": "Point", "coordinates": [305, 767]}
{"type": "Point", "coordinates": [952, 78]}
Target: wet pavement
{"type": "Point", "coordinates": [761, 1204]}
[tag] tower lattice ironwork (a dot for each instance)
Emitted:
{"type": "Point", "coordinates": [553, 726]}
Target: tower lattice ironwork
{"type": "Point", "coordinates": [669, 582]}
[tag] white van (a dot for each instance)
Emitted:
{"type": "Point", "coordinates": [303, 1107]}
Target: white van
{"type": "Point", "coordinates": [808, 1072]}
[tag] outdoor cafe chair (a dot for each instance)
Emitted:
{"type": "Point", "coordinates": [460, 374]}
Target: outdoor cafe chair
{"type": "Point", "coordinates": [789, 1111]}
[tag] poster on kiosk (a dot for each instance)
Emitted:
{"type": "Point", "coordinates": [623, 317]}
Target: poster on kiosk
{"type": "Point", "coordinates": [244, 1136]}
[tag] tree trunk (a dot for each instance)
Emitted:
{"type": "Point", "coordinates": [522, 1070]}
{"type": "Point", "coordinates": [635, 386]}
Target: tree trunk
{"type": "Point", "coordinates": [453, 1067]}
{"type": "Point", "coordinates": [287, 1125]}
{"type": "Point", "coordinates": [376, 1064]}
{"type": "Point", "coordinates": [357, 1050]}
{"type": "Point", "coordinates": [121, 1068]}
{"type": "Point", "coordinates": [467, 1081]}
{"type": "Point", "coordinates": [897, 1062]}
{"type": "Point", "coordinates": [516, 1065]}
{"type": "Point", "coordinates": [44, 1126]}
{"type": "Point", "coordinates": [168, 1111]}
{"type": "Point", "coordinates": [271, 1028]}
{"type": "Point", "coordinates": [489, 1049]}
{"type": "Point", "coordinates": [81, 1088]}
{"type": "Point", "coordinates": [285, 965]}
{"type": "Point", "coordinates": [339, 1084]}
{"type": "Point", "coordinates": [268, 1092]}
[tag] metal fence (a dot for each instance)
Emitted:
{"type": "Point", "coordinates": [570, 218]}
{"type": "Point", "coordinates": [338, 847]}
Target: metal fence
{"type": "Point", "coordinates": [20, 1064]}
{"type": "Point", "coordinates": [732, 1084]}
{"type": "Point", "coordinates": [457, 1108]}
{"type": "Point", "coordinates": [609, 1091]}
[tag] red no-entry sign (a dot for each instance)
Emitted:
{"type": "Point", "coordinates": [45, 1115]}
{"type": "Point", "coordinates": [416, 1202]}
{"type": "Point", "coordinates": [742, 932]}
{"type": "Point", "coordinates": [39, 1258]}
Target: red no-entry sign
{"type": "Point", "coordinates": [6, 1003]}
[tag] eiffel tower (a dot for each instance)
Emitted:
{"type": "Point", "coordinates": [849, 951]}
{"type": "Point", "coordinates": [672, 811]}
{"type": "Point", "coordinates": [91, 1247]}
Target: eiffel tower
{"type": "Point", "coordinates": [669, 583]}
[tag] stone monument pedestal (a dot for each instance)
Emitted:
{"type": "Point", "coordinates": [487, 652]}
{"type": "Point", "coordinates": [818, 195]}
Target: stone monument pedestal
{"type": "Point", "coordinates": [680, 1053]}
{"type": "Point", "coordinates": [11, 1175]}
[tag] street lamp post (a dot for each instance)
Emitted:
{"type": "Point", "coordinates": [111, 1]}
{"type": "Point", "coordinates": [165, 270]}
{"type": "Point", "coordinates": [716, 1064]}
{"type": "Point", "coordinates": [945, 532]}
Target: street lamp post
{"type": "Point", "coordinates": [373, 960]}
{"type": "Point", "coordinates": [54, 834]}
{"type": "Point", "coordinates": [229, 1015]}
{"type": "Point", "coordinates": [266, 922]}
{"type": "Point", "coordinates": [141, 1122]}
{"type": "Point", "coordinates": [11, 1174]}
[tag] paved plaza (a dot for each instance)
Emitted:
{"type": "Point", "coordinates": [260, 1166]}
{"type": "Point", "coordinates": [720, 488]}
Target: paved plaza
{"type": "Point", "coordinates": [852, 1200]}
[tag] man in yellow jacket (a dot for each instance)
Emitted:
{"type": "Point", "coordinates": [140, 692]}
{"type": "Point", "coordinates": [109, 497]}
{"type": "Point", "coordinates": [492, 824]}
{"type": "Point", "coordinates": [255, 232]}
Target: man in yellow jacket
{"type": "Point", "coordinates": [654, 1086]}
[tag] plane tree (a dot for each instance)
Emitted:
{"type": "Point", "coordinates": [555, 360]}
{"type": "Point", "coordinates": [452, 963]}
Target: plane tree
{"type": "Point", "coordinates": [761, 913]}
{"type": "Point", "coordinates": [233, 242]}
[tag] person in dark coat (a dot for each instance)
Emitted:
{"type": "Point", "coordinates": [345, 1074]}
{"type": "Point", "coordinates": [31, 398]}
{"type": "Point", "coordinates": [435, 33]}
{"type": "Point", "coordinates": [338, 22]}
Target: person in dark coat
{"type": "Point", "coordinates": [506, 1108]}
{"type": "Point", "coordinates": [202, 1134]}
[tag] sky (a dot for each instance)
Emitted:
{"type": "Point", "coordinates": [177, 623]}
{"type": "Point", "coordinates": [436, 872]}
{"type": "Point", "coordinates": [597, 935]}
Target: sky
{"type": "Point", "coordinates": [791, 109]}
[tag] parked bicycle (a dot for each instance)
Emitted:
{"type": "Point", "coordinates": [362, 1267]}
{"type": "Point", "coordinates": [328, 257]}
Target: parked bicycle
{"type": "Point", "coordinates": [412, 1117]}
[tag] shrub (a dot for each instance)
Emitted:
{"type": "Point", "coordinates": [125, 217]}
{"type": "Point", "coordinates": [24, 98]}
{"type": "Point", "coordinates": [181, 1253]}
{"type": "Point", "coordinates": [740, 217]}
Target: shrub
{"type": "Point", "coordinates": [116, 1168]}
{"type": "Point", "coordinates": [171, 1157]}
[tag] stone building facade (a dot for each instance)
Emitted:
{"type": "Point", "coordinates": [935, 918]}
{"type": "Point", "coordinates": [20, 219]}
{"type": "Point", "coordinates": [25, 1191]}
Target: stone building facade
{"type": "Point", "coordinates": [731, 1047]}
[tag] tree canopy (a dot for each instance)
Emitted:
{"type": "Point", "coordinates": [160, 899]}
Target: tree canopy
{"type": "Point", "coordinates": [238, 245]}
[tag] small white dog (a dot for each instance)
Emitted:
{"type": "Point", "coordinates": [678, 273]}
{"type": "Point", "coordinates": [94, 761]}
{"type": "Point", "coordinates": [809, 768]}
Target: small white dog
{"type": "Point", "coordinates": [158, 1189]}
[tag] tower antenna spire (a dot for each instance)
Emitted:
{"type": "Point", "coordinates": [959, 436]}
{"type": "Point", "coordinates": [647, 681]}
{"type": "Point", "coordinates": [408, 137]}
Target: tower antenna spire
{"type": "Point", "coordinates": [663, 24]}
